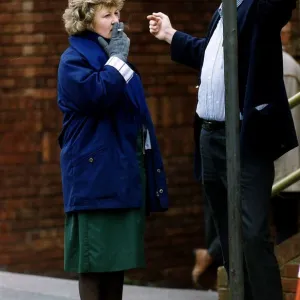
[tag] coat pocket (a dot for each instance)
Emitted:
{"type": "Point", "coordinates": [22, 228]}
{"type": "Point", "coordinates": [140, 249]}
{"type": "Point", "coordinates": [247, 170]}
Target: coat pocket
{"type": "Point", "coordinates": [90, 156]}
{"type": "Point", "coordinates": [99, 175]}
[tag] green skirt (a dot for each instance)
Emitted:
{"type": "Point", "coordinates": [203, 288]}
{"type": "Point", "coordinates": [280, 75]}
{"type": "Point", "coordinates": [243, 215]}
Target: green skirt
{"type": "Point", "coordinates": [106, 241]}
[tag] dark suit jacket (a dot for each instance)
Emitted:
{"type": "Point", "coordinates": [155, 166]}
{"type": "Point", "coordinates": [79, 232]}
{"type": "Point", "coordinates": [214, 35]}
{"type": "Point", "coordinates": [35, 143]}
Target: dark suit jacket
{"type": "Point", "coordinates": [269, 132]}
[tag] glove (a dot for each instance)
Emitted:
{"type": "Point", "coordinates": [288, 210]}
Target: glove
{"type": "Point", "coordinates": [119, 43]}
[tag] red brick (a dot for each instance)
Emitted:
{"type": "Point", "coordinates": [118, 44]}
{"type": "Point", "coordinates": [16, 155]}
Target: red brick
{"type": "Point", "coordinates": [7, 83]}
{"type": "Point", "coordinates": [29, 38]}
{"type": "Point", "coordinates": [9, 239]}
{"type": "Point", "coordinates": [11, 50]}
{"type": "Point", "coordinates": [21, 61]}
{"type": "Point", "coordinates": [289, 296]}
{"type": "Point", "coordinates": [15, 159]}
{"type": "Point", "coordinates": [52, 6]}
{"type": "Point", "coordinates": [289, 284]}
{"type": "Point", "coordinates": [290, 270]}
{"type": "Point", "coordinates": [5, 17]}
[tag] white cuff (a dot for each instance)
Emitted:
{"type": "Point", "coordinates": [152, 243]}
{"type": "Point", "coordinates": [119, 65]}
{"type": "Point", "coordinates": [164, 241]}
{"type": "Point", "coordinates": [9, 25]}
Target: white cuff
{"type": "Point", "coordinates": [121, 66]}
{"type": "Point", "coordinates": [260, 107]}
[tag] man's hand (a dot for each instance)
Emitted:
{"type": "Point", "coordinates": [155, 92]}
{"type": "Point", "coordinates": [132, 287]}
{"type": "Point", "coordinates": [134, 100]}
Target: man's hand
{"type": "Point", "coordinates": [160, 26]}
{"type": "Point", "coordinates": [119, 43]}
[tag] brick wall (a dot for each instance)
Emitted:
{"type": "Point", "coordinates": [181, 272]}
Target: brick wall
{"type": "Point", "coordinates": [31, 217]}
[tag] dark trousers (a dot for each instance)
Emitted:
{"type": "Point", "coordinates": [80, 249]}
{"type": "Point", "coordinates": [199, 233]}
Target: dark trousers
{"type": "Point", "coordinates": [261, 272]}
{"type": "Point", "coordinates": [212, 240]}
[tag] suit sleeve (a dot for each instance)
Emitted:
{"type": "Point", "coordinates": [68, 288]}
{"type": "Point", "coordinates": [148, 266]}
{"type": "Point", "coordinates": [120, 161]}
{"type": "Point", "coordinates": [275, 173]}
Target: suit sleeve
{"type": "Point", "coordinates": [187, 50]}
{"type": "Point", "coordinates": [88, 91]}
{"type": "Point", "coordinates": [276, 12]}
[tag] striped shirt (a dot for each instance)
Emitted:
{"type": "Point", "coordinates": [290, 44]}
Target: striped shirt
{"type": "Point", "coordinates": [211, 95]}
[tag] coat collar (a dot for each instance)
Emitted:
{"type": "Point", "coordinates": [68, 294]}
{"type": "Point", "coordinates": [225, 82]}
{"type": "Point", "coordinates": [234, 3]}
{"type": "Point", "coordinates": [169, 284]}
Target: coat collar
{"type": "Point", "coordinates": [87, 45]}
{"type": "Point", "coordinates": [243, 12]}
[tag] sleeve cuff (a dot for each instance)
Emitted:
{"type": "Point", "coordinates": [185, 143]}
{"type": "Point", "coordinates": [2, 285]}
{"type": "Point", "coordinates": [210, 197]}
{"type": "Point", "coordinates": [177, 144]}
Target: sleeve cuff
{"type": "Point", "coordinates": [121, 66]}
{"type": "Point", "coordinates": [178, 45]}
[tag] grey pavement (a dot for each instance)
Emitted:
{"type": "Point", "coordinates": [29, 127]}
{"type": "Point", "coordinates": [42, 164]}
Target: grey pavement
{"type": "Point", "coordinates": [27, 287]}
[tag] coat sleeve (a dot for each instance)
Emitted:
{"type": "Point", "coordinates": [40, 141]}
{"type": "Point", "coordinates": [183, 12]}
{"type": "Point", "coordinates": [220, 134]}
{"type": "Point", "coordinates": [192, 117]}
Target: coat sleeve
{"type": "Point", "coordinates": [276, 12]}
{"type": "Point", "coordinates": [88, 91]}
{"type": "Point", "coordinates": [187, 50]}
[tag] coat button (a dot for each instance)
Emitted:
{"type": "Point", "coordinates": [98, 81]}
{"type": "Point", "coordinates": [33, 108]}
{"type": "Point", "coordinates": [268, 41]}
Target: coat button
{"type": "Point", "coordinates": [91, 160]}
{"type": "Point", "coordinates": [158, 170]}
{"type": "Point", "coordinates": [161, 191]}
{"type": "Point", "coordinates": [157, 194]}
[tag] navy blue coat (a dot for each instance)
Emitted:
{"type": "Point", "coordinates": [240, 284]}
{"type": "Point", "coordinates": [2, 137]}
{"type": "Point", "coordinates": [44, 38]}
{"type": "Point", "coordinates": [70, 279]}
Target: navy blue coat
{"type": "Point", "coordinates": [269, 132]}
{"type": "Point", "coordinates": [103, 116]}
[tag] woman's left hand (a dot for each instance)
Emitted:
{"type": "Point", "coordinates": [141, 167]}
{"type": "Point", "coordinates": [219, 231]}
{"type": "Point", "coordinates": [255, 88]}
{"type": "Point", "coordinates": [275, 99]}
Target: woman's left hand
{"type": "Point", "coordinates": [119, 43]}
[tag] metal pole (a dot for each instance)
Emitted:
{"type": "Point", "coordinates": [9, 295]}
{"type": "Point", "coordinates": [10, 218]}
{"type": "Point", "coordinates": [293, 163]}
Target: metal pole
{"type": "Point", "coordinates": [233, 149]}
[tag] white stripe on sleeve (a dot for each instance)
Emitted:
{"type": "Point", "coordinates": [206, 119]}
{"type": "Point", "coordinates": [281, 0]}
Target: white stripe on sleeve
{"type": "Point", "coordinates": [121, 66]}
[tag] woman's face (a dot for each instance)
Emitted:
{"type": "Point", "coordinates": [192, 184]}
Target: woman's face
{"type": "Point", "coordinates": [104, 20]}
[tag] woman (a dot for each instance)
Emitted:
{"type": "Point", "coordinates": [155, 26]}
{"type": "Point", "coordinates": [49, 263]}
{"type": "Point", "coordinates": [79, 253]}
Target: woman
{"type": "Point", "coordinates": [112, 171]}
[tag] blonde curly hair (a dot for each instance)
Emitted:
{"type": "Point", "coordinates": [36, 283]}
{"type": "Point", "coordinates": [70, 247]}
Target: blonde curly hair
{"type": "Point", "coordinates": [80, 14]}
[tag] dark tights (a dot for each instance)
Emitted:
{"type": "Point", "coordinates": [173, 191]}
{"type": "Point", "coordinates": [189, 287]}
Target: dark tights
{"type": "Point", "coordinates": [101, 286]}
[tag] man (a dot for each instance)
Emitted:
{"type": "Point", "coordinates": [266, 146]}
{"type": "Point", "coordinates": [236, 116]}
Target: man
{"type": "Point", "coordinates": [267, 130]}
{"type": "Point", "coordinates": [285, 205]}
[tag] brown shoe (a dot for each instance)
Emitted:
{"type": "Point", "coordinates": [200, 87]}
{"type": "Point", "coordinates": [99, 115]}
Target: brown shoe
{"type": "Point", "coordinates": [202, 261]}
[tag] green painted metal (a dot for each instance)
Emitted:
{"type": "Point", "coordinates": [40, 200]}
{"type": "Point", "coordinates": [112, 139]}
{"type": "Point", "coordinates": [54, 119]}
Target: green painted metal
{"type": "Point", "coordinates": [233, 149]}
{"type": "Point", "coordinates": [294, 101]}
{"type": "Point", "coordinates": [285, 182]}
{"type": "Point", "coordinates": [295, 176]}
